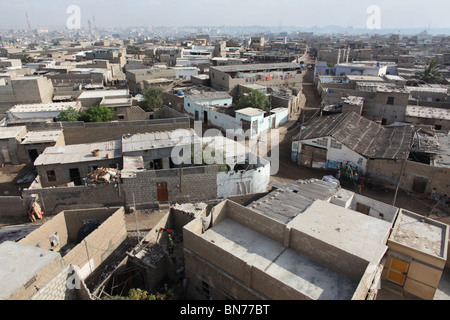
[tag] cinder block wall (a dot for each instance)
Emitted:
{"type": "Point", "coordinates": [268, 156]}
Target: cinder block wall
{"type": "Point", "coordinates": [12, 207]}
{"type": "Point", "coordinates": [257, 222]}
{"type": "Point", "coordinates": [210, 252]}
{"type": "Point", "coordinates": [265, 284]}
{"type": "Point", "coordinates": [329, 255]}
{"type": "Point", "coordinates": [57, 288]}
{"type": "Point", "coordinates": [40, 236]}
{"type": "Point", "coordinates": [192, 184]}
{"type": "Point", "coordinates": [99, 245]}
{"type": "Point", "coordinates": [55, 200]}
{"type": "Point", "coordinates": [40, 280]}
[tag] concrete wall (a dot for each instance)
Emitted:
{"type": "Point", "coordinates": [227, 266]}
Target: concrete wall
{"type": "Point", "coordinates": [57, 288]}
{"type": "Point", "coordinates": [62, 172]}
{"type": "Point", "coordinates": [55, 200]}
{"type": "Point", "coordinates": [12, 207]}
{"type": "Point", "coordinates": [12, 148]}
{"type": "Point", "coordinates": [98, 245]}
{"type": "Point", "coordinates": [388, 172]}
{"type": "Point", "coordinates": [331, 256]}
{"type": "Point", "coordinates": [243, 182]}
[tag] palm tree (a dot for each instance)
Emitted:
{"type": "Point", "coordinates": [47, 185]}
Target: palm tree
{"type": "Point", "coordinates": [431, 74]}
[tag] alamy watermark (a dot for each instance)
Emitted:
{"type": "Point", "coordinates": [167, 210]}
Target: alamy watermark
{"type": "Point", "coordinates": [73, 22]}
{"type": "Point", "coordinates": [236, 147]}
{"type": "Point", "coordinates": [374, 19]}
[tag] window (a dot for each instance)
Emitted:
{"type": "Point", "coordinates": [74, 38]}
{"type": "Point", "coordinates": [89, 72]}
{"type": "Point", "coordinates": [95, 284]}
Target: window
{"type": "Point", "coordinates": [205, 289]}
{"type": "Point", "coordinates": [51, 176]}
{"type": "Point", "coordinates": [390, 100]}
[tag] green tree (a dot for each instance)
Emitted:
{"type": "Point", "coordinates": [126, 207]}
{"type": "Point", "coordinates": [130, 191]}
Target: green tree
{"type": "Point", "coordinates": [232, 43]}
{"type": "Point", "coordinates": [253, 99]}
{"type": "Point", "coordinates": [26, 58]}
{"type": "Point", "coordinates": [152, 99]}
{"type": "Point", "coordinates": [99, 113]}
{"type": "Point", "coordinates": [431, 74]}
{"type": "Point", "coordinates": [68, 115]}
{"type": "Point", "coordinates": [133, 50]}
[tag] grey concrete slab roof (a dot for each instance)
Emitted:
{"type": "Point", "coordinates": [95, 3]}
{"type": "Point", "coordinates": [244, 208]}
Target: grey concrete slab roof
{"type": "Point", "coordinates": [425, 235]}
{"type": "Point", "coordinates": [157, 140]}
{"type": "Point", "coordinates": [294, 269]}
{"type": "Point", "coordinates": [79, 153]}
{"type": "Point", "coordinates": [10, 132]}
{"type": "Point", "coordinates": [427, 112]}
{"type": "Point", "coordinates": [359, 234]}
{"type": "Point", "coordinates": [208, 95]}
{"type": "Point", "coordinates": [256, 67]}
{"type": "Point", "coordinates": [41, 136]}
{"type": "Point", "coordinates": [19, 263]}
{"type": "Point", "coordinates": [251, 112]}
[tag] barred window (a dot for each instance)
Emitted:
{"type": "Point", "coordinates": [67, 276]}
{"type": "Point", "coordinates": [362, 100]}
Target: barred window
{"type": "Point", "coordinates": [335, 144]}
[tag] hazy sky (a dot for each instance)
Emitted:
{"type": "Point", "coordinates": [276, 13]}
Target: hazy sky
{"type": "Point", "coordinates": [125, 13]}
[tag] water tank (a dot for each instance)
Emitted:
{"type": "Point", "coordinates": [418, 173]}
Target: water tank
{"type": "Point", "coordinates": [180, 93]}
{"type": "Point", "coordinates": [378, 64]}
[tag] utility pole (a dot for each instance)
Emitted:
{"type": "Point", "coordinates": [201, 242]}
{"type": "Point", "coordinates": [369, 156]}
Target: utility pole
{"type": "Point", "coordinates": [399, 181]}
{"type": "Point", "coordinates": [135, 217]}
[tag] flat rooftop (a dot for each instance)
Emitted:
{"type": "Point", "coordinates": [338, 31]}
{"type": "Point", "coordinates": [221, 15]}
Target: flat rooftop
{"type": "Point", "coordinates": [41, 136]}
{"type": "Point", "coordinates": [156, 140]}
{"type": "Point", "coordinates": [102, 93]}
{"type": "Point", "coordinates": [284, 264]}
{"type": "Point", "coordinates": [359, 234]}
{"type": "Point", "coordinates": [43, 107]}
{"type": "Point", "coordinates": [256, 67]}
{"type": "Point", "coordinates": [425, 235]}
{"type": "Point", "coordinates": [10, 132]}
{"type": "Point", "coordinates": [80, 153]}
{"type": "Point", "coordinates": [427, 112]}
{"type": "Point", "coordinates": [251, 112]}
{"type": "Point", "coordinates": [208, 95]}
{"type": "Point", "coordinates": [19, 263]}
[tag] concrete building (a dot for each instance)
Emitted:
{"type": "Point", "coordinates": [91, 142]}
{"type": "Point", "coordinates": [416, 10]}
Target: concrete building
{"type": "Point", "coordinates": [227, 78]}
{"type": "Point", "coordinates": [10, 139]}
{"type": "Point", "coordinates": [250, 253]}
{"type": "Point", "coordinates": [61, 165]}
{"type": "Point", "coordinates": [417, 254]}
{"type": "Point", "coordinates": [52, 262]}
{"type": "Point", "coordinates": [25, 90]}
{"type": "Point", "coordinates": [308, 240]}
{"type": "Point", "coordinates": [34, 143]}
{"type": "Point", "coordinates": [437, 117]}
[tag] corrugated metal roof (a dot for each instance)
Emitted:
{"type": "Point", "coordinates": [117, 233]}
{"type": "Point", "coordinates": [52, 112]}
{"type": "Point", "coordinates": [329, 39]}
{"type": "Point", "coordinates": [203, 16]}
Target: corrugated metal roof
{"type": "Point", "coordinates": [361, 135]}
{"type": "Point", "coordinates": [292, 198]}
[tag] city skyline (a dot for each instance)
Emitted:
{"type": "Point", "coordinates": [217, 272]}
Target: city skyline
{"type": "Point", "coordinates": [177, 13]}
